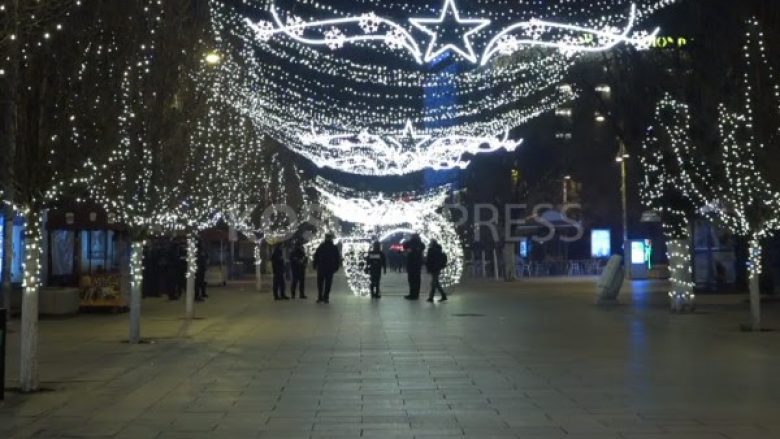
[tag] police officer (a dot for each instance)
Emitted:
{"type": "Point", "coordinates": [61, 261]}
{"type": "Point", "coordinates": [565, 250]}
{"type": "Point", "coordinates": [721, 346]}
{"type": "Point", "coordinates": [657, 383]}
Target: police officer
{"type": "Point", "coordinates": [298, 262]}
{"type": "Point", "coordinates": [376, 263]}
{"type": "Point", "coordinates": [277, 265]}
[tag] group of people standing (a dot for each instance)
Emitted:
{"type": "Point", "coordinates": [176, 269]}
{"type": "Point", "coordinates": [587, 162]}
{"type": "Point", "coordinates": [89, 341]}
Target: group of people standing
{"type": "Point", "coordinates": [435, 261]}
{"type": "Point", "coordinates": [165, 270]}
{"type": "Point", "coordinates": [327, 261]}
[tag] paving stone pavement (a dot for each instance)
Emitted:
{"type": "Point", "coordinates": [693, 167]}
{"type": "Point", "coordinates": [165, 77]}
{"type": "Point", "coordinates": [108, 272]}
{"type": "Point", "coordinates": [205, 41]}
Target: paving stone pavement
{"type": "Point", "coordinates": [531, 359]}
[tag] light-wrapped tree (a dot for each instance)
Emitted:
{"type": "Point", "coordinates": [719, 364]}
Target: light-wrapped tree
{"type": "Point", "coordinates": [37, 64]}
{"type": "Point", "coordinates": [733, 186]}
{"type": "Point", "coordinates": [156, 101]}
{"type": "Point", "coordinates": [665, 173]}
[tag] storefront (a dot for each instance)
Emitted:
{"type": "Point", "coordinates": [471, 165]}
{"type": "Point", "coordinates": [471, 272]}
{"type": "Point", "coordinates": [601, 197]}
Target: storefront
{"type": "Point", "coordinates": [86, 250]}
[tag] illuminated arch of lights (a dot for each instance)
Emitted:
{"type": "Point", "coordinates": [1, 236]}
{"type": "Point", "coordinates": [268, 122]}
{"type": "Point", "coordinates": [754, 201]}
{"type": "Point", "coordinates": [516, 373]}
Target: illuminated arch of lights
{"type": "Point", "coordinates": [376, 217]}
{"type": "Point", "coordinates": [338, 82]}
{"type": "Point", "coordinates": [370, 27]}
{"type": "Point", "coordinates": [400, 154]}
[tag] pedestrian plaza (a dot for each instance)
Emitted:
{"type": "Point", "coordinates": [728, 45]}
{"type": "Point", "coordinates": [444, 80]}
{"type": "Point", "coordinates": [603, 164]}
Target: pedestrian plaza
{"type": "Point", "coordinates": [529, 359]}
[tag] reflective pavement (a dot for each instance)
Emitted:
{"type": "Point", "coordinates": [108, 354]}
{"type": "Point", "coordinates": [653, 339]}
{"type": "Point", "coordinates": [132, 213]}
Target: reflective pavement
{"type": "Point", "coordinates": [530, 359]}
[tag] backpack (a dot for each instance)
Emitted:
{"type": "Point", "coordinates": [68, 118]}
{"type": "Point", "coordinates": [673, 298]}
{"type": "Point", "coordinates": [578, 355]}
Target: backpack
{"type": "Point", "coordinates": [443, 260]}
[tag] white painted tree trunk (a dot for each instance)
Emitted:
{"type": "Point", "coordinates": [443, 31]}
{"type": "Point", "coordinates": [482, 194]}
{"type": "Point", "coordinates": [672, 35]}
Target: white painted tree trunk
{"type": "Point", "coordinates": [258, 266]}
{"type": "Point", "coordinates": [754, 269]}
{"type": "Point", "coordinates": [192, 269]}
{"type": "Point", "coordinates": [681, 296]}
{"type": "Point", "coordinates": [136, 281]}
{"type": "Point", "coordinates": [8, 256]}
{"type": "Point", "coordinates": [496, 274]}
{"type": "Point", "coordinates": [28, 370]}
{"type": "Point", "coordinates": [510, 261]}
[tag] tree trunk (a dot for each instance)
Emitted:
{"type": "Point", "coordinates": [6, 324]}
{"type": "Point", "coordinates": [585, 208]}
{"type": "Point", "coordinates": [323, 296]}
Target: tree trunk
{"type": "Point", "coordinates": [136, 281]}
{"type": "Point", "coordinates": [192, 270]}
{"type": "Point", "coordinates": [681, 296]}
{"type": "Point", "coordinates": [258, 265]}
{"type": "Point", "coordinates": [496, 274]}
{"type": "Point", "coordinates": [510, 261]}
{"type": "Point", "coordinates": [8, 256]}
{"type": "Point", "coordinates": [754, 269]}
{"type": "Point", "coordinates": [28, 370]}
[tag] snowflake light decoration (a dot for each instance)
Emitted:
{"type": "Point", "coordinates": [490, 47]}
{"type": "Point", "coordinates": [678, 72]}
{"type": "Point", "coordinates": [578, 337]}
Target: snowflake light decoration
{"type": "Point", "coordinates": [370, 66]}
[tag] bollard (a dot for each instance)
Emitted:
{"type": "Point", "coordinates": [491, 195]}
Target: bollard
{"type": "Point", "coordinates": [3, 330]}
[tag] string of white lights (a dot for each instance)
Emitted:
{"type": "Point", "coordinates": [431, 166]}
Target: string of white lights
{"type": "Point", "coordinates": [367, 217]}
{"type": "Point", "coordinates": [743, 201]}
{"type": "Point", "coordinates": [295, 66]}
{"type": "Point", "coordinates": [660, 190]}
{"type": "Point", "coordinates": [337, 33]}
{"type": "Point", "coordinates": [396, 155]}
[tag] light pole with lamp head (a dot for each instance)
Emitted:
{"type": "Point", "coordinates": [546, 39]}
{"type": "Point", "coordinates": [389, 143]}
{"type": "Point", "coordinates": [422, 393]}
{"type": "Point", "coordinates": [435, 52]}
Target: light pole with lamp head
{"type": "Point", "coordinates": [621, 158]}
{"type": "Point", "coordinates": [566, 180]}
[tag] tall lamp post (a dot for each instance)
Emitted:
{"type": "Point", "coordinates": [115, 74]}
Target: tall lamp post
{"type": "Point", "coordinates": [621, 158]}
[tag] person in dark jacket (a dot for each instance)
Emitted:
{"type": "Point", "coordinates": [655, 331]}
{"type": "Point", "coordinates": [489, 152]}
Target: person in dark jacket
{"type": "Point", "coordinates": [376, 263]}
{"type": "Point", "coordinates": [415, 250]}
{"type": "Point", "coordinates": [435, 262]}
{"type": "Point", "coordinates": [298, 263]}
{"type": "Point", "coordinates": [327, 261]}
{"type": "Point", "coordinates": [200, 275]}
{"type": "Point", "coordinates": [277, 266]}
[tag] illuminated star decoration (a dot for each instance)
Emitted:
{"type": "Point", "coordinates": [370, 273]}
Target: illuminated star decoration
{"type": "Point", "coordinates": [448, 21]}
{"type": "Point", "coordinates": [410, 139]}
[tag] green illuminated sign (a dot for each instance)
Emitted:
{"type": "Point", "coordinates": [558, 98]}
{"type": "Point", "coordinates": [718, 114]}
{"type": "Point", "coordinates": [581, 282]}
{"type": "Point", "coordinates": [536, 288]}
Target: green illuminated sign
{"type": "Point", "coordinates": [668, 42]}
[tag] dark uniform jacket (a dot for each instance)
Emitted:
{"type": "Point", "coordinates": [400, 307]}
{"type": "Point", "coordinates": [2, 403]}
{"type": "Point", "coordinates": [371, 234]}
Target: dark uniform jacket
{"type": "Point", "coordinates": [277, 261]}
{"type": "Point", "coordinates": [298, 260]}
{"type": "Point", "coordinates": [327, 258]}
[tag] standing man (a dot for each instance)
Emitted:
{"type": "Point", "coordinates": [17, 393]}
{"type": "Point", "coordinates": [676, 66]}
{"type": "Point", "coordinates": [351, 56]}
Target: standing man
{"type": "Point", "coordinates": [327, 261]}
{"type": "Point", "coordinates": [298, 263]}
{"type": "Point", "coordinates": [435, 262]}
{"type": "Point", "coordinates": [415, 250]}
{"type": "Point", "coordinates": [277, 266]}
{"type": "Point", "coordinates": [376, 263]}
{"type": "Point", "coordinates": [200, 274]}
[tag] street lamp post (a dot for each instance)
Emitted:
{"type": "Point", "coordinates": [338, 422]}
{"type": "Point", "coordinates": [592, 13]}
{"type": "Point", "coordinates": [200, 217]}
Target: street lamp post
{"type": "Point", "coordinates": [622, 158]}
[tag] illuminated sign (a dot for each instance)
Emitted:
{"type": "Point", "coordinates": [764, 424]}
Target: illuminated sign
{"type": "Point", "coordinates": [637, 252]}
{"type": "Point", "coordinates": [641, 252]}
{"type": "Point", "coordinates": [601, 243]}
{"type": "Point", "coordinates": [668, 42]}
{"type": "Point", "coordinates": [524, 248]}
